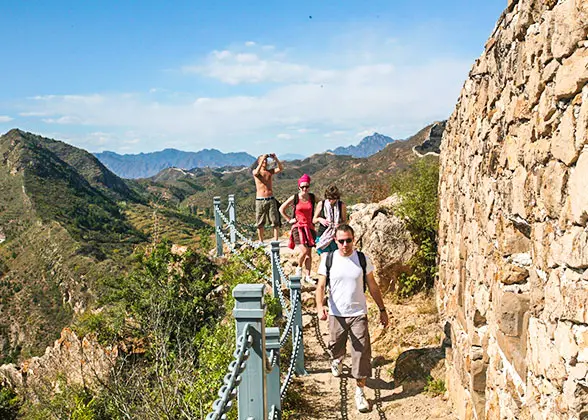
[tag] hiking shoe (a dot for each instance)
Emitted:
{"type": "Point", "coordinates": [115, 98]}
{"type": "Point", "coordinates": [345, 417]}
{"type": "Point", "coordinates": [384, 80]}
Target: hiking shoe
{"type": "Point", "coordinates": [298, 272]}
{"type": "Point", "coordinates": [309, 280]}
{"type": "Point", "coordinates": [336, 368]}
{"type": "Point", "coordinates": [360, 401]}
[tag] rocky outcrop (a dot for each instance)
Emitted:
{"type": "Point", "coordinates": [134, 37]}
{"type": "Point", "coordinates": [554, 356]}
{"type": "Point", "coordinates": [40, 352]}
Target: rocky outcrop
{"type": "Point", "coordinates": [384, 237]}
{"type": "Point", "coordinates": [71, 361]}
{"type": "Point", "coordinates": [513, 279]}
{"type": "Point", "coordinates": [432, 144]}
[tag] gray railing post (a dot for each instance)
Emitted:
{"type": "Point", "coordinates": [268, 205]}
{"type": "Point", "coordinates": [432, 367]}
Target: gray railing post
{"type": "Point", "coordinates": [232, 217]}
{"type": "Point", "coordinates": [217, 226]}
{"type": "Point", "coordinates": [272, 337]}
{"type": "Point", "coordinates": [295, 299]}
{"type": "Point", "coordinates": [276, 279]}
{"type": "Point", "coordinates": [249, 309]}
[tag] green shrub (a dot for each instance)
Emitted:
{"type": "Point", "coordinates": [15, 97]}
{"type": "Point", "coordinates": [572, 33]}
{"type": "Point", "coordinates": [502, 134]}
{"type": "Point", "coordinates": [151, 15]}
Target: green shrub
{"type": "Point", "coordinates": [435, 387]}
{"type": "Point", "coordinates": [9, 403]}
{"type": "Point", "coordinates": [417, 188]}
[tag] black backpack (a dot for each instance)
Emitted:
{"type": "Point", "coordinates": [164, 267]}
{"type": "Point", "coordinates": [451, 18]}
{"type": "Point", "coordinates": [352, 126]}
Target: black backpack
{"type": "Point", "coordinates": [362, 262]}
{"type": "Point", "coordinates": [312, 201]}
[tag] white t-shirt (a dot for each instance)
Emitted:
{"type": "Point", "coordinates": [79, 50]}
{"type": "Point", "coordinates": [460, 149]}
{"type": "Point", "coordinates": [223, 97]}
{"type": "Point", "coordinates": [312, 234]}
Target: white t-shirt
{"type": "Point", "coordinates": [346, 296]}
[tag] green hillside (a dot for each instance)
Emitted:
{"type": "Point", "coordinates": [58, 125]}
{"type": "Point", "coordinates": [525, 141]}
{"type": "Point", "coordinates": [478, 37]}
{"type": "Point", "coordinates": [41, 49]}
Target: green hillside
{"type": "Point", "coordinates": [359, 179]}
{"type": "Point", "coordinates": [67, 222]}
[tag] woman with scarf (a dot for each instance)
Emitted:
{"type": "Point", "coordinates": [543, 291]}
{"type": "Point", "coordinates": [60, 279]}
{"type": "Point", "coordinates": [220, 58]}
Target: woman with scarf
{"type": "Point", "coordinates": [302, 234]}
{"type": "Point", "coordinates": [329, 214]}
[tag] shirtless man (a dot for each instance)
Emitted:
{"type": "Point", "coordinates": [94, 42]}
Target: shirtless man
{"type": "Point", "coordinates": [266, 207]}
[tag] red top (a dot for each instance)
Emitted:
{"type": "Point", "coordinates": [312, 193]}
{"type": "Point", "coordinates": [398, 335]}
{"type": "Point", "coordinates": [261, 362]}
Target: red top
{"type": "Point", "coordinates": [304, 214]}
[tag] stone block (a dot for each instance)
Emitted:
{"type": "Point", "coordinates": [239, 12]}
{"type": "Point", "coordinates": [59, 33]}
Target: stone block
{"type": "Point", "coordinates": [543, 357]}
{"type": "Point", "coordinates": [512, 274]}
{"type": "Point", "coordinates": [581, 338]}
{"type": "Point", "coordinates": [510, 239]}
{"type": "Point", "coordinates": [563, 143]}
{"type": "Point", "coordinates": [547, 104]}
{"type": "Point", "coordinates": [536, 294]}
{"type": "Point", "coordinates": [572, 75]}
{"type": "Point", "coordinates": [571, 248]}
{"type": "Point", "coordinates": [578, 190]}
{"type": "Point", "coordinates": [565, 341]}
{"type": "Point", "coordinates": [536, 153]}
{"type": "Point", "coordinates": [519, 204]}
{"type": "Point", "coordinates": [570, 27]}
{"type": "Point", "coordinates": [553, 182]}
{"type": "Point", "coordinates": [511, 150]}
{"type": "Point", "coordinates": [512, 308]}
{"type": "Point", "coordinates": [582, 120]}
{"type": "Point", "coordinates": [566, 296]}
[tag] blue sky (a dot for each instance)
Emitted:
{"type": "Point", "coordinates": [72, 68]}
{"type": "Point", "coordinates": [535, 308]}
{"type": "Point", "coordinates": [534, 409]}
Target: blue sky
{"type": "Point", "coordinates": [255, 76]}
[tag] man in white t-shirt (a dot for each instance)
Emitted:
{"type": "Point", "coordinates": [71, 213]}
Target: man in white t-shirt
{"type": "Point", "coordinates": [347, 312]}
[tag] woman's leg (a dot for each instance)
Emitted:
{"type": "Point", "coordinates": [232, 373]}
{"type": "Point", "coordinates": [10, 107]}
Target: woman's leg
{"type": "Point", "coordinates": [301, 256]}
{"type": "Point", "coordinates": [308, 261]}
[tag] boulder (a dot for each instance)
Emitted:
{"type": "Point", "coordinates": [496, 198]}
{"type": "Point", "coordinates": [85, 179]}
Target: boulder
{"type": "Point", "coordinates": [78, 361]}
{"type": "Point", "coordinates": [384, 238]}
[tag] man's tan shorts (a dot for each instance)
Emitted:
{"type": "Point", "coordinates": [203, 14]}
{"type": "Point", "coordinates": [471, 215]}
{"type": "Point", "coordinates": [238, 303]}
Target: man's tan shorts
{"type": "Point", "coordinates": [361, 351]}
{"type": "Point", "coordinates": [266, 212]}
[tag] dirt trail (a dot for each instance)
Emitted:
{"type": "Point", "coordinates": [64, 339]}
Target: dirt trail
{"type": "Point", "coordinates": [413, 326]}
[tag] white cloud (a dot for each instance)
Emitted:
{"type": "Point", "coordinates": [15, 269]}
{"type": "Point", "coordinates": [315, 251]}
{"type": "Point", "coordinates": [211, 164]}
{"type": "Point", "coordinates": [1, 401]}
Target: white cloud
{"type": "Point", "coordinates": [5, 118]}
{"type": "Point", "coordinates": [285, 136]}
{"type": "Point", "coordinates": [315, 102]}
{"type": "Point", "coordinates": [250, 44]}
{"type": "Point", "coordinates": [336, 133]}
{"type": "Point", "coordinates": [236, 68]}
{"type": "Point", "coordinates": [33, 114]}
{"type": "Point", "coordinates": [365, 133]}
{"type": "Point", "coordinates": [66, 119]}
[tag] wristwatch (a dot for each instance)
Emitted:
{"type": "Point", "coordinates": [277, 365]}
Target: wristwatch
{"type": "Point", "coordinates": [382, 309]}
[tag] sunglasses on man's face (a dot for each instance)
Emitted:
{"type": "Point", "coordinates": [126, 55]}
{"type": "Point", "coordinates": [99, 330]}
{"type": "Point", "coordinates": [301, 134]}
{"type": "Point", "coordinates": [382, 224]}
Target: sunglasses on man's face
{"type": "Point", "coordinates": [345, 241]}
{"type": "Point", "coordinates": [304, 187]}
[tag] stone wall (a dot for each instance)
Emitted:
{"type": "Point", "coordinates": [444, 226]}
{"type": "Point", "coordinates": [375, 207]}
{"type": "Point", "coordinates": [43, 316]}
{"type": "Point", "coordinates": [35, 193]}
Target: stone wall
{"type": "Point", "coordinates": [513, 257]}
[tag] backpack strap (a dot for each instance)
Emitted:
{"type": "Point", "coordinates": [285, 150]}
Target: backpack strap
{"type": "Point", "coordinates": [295, 203]}
{"type": "Point", "coordinates": [329, 264]}
{"type": "Point", "coordinates": [363, 263]}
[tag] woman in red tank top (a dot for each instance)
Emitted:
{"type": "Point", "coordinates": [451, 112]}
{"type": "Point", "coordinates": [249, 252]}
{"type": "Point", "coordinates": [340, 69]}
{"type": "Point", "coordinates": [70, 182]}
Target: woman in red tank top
{"type": "Point", "coordinates": [302, 234]}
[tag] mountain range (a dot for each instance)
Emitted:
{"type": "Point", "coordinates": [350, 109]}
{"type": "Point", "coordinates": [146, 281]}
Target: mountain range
{"type": "Point", "coordinates": [144, 165]}
{"type": "Point", "coordinates": [366, 147]}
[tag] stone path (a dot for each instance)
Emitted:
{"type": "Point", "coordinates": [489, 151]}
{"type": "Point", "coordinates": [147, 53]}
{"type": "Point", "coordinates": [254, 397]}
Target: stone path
{"type": "Point", "coordinates": [327, 397]}
{"type": "Point", "coordinates": [413, 330]}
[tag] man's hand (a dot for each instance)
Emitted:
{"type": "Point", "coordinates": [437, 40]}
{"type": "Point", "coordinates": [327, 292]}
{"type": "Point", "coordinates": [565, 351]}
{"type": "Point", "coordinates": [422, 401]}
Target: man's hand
{"type": "Point", "coordinates": [384, 318]}
{"type": "Point", "coordinates": [292, 221]}
{"type": "Point", "coordinates": [322, 312]}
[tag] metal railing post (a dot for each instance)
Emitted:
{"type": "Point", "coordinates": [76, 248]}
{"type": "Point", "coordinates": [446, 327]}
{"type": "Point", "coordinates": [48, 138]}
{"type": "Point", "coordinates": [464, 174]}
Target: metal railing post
{"type": "Point", "coordinates": [272, 337]}
{"type": "Point", "coordinates": [276, 279]}
{"type": "Point", "coordinates": [232, 217]}
{"type": "Point", "coordinates": [217, 226]}
{"type": "Point", "coordinates": [250, 309]}
{"type": "Point", "coordinates": [295, 299]}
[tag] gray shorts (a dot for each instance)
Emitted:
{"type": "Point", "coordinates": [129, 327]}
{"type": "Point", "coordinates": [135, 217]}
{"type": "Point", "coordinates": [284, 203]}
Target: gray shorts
{"type": "Point", "coordinates": [266, 212]}
{"type": "Point", "coordinates": [361, 350]}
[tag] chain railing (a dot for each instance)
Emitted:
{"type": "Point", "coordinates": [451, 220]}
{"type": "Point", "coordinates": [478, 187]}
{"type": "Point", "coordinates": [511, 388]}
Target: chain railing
{"type": "Point", "coordinates": [228, 391]}
{"type": "Point", "coordinates": [259, 395]}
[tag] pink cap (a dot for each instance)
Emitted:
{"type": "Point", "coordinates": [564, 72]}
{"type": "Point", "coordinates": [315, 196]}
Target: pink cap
{"type": "Point", "coordinates": [304, 178]}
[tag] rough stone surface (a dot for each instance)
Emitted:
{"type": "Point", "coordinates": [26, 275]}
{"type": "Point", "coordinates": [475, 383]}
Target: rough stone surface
{"type": "Point", "coordinates": [82, 362]}
{"type": "Point", "coordinates": [513, 234]}
{"type": "Point", "coordinates": [384, 237]}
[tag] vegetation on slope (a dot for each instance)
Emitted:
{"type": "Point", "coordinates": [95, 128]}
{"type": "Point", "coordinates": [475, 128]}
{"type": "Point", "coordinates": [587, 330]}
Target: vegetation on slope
{"type": "Point", "coordinates": [171, 307]}
{"type": "Point", "coordinates": [418, 189]}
